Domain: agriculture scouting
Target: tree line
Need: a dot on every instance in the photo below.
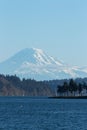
(71, 88)
(27, 86)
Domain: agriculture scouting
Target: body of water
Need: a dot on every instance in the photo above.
(25, 113)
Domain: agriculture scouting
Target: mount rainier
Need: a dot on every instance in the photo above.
(35, 64)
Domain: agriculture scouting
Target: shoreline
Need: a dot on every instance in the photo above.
(69, 97)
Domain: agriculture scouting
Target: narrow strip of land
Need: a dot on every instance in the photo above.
(69, 97)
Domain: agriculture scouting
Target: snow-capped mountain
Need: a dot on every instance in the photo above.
(34, 63)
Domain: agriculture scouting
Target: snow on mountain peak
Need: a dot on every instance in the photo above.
(36, 55)
(38, 50)
(35, 63)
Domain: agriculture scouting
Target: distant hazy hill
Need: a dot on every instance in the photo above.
(13, 86)
(35, 64)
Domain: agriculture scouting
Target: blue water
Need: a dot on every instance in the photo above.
(24, 113)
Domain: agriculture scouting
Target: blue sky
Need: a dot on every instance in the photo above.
(59, 27)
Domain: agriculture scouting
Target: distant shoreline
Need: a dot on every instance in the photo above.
(69, 97)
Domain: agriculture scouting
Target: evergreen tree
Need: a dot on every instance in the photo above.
(80, 88)
(71, 86)
(65, 88)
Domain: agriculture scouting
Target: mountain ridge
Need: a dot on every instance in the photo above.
(36, 64)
